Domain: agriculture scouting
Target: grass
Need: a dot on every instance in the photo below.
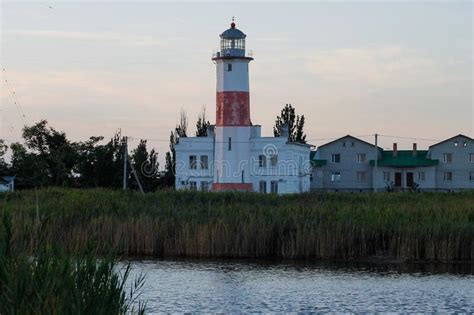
(402, 226)
(49, 281)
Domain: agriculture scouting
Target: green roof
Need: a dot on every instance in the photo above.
(405, 158)
(315, 162)
(318, 163)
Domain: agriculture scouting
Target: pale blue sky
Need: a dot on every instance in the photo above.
(91, 67)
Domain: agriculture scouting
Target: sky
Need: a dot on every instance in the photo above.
(351, 67)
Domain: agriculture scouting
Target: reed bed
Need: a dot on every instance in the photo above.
(46, 280)
(398, 226)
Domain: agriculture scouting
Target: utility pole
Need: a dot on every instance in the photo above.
(125, 159)
(375, 163)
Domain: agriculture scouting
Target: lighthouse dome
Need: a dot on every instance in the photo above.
(233, 33)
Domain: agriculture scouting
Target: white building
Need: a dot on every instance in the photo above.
(7, 183)
(234, 155)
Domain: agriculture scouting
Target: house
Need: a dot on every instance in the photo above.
(348, 164)
(234, 156)
(455, 170)
(7, 183)
(405, 170)
(343, 165)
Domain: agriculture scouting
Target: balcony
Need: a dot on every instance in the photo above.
(232, 53)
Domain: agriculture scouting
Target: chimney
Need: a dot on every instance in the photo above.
(395, 152)
(414, 150)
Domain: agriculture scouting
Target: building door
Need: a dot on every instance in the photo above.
(398, 179)
(410, 179)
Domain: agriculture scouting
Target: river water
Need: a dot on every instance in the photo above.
(249, 286)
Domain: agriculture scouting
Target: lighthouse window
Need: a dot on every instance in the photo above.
(274, 160)
(204, 162)
(192, 162)
(230, 144)
(263, 187)
(262, 161)
(229, 67)
(274, 187)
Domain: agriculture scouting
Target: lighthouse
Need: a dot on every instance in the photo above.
(234, 156)
(233, 124)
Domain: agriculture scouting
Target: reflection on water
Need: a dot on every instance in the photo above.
(244, 286)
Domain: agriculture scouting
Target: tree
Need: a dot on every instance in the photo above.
(294, 123)
(202, 124)
(146, 165)
(180, 131)
(100, 165)
(3, 164)
(52, 151)
(30, 170)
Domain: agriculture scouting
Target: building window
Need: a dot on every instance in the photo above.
(229, 67)
(447, 158)
(205, 186)
(471, 176)
(336, 158)
(361, 157)
(361, 176)
(471, 157)
(263, 187)
(386, 176)
(335, 177)
(204, 162)
(343, 143)
(274, 160)
(193, 185)
(274, 187)
(229, 144)
(455, 143)
(464, 144)
(421, 176)
(192, 162)
(448, 176)
(262, 161)
(352, 144)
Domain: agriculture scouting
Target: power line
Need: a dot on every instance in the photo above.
(409, 138)
(312, 139)
(15, 98)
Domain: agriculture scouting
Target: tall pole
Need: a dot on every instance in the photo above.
(134, 172)
(125, 158)
(375, 163)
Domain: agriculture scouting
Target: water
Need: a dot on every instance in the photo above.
(236, 287)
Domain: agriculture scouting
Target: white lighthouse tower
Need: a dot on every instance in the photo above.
(233, 125)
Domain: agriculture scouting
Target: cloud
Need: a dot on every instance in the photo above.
(380, 66)
(127, 39)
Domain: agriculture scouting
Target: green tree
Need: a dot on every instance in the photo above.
(101, 165)
(293, 122)
(53, 155)
(180, 131)
(30, 170)
(146, 165)
(202, 124)
(3, 164)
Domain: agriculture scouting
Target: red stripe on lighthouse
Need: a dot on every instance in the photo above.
(232, 109)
